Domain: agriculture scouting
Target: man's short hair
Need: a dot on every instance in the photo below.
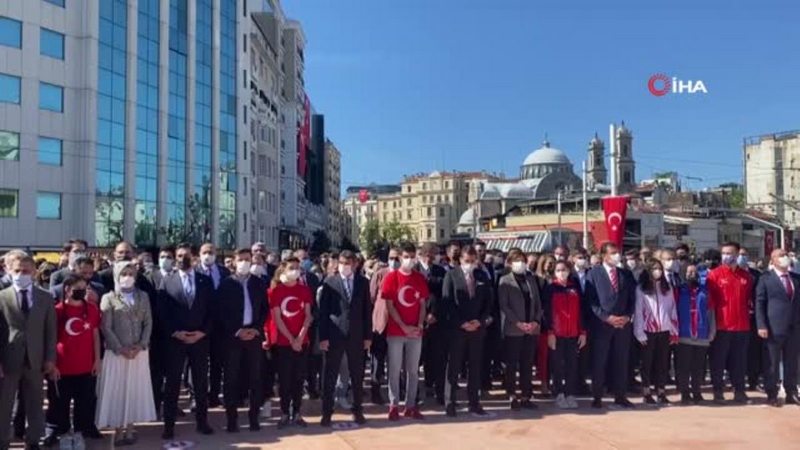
(732, 244)
(607, 245)
(468, 250)
(16, 255)
(184, 246)
(243, 251)
(84, 260)
(348, 255)
(408, 247)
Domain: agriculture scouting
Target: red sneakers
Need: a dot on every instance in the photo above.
(394, 413)
(413, 413)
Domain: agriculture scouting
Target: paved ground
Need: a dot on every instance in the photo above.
(706, 427)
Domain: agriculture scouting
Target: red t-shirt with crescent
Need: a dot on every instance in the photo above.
(75, 347)
(408, 294)
(292, 301)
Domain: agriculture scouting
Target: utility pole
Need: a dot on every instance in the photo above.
(585, 208)
(558, 202)
(612, 141)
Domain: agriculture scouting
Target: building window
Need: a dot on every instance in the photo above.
(424, 186)
(441, 212)
(447, 185)
(48, 205)
(51, 97)
(441, 233)
(50, 151)
(9, 89)
(408, 215)
(9, 146)
(430, 211)
(430, 233)
(9, 200)
(10, 32)
(56, 2)
(51, 43)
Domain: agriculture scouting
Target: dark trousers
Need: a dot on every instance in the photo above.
(331, 361)
(314, 368)
(585, 362)
(784, 349)
(655, 360)
(611, 346)
(242, 376)
(729, 350)
(81, 390)
(434, 349)
(177, 355)
(377, 353)
(757, 356)
(218, 348)
(466, 346)
(292, 368)
(268, 364)
(691, 362)
(564, 366)
(158, 372)
(493, 354)
(520, 352)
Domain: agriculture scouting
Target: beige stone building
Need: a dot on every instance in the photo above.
(772, 175)
(358, 209)
(431, 204)
(333, 191)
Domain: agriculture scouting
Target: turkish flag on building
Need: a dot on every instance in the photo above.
(615, 208)
(363, 196)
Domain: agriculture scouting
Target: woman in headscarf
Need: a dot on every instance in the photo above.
(125, 393)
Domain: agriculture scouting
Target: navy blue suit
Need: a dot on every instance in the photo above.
(607, 341)
(780, 316)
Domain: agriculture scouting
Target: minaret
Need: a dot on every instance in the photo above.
(595, 165)
(626, 167)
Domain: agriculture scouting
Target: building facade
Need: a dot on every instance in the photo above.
(360, 206)
(772, 176)
(333, 192)
(121, 120)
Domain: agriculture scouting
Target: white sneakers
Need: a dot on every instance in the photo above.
(266, 410)
(566, 402)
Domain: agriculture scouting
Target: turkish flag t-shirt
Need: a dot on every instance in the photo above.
(75, 347)
(408, 294)
(292, 301)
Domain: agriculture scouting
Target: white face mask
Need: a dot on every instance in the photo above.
(290, 276)
(784, 262)
(668, 264)
(258, 270)
(519, 267)
(272, 259)
(208, 259)
(22, 280)
(615, 259)
(346, 270)
(657, 274)
(408, 264)
(562, 275)
(166, 264)
(467, 267)
(631, 264)
(243, 267)
(126, 282)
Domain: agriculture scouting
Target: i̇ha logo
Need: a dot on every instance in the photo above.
(661, 85)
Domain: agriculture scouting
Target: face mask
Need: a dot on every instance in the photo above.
(668, 264)
(631, 264)
(741, 260)
(394, 264)
(580, 263)
(728, 260)
(272, 259)
(79, 294)
(408, 263)
(499, 261)
(243, 267)
(784, 262)
(166, 264)
(346, 270)
(437, 259)
(126, 282)
(208, 259)
(21, 281)
(290, 276)
(615, 259)
(185, 263)
(467, 267)
(561, 258)
(258, 270)
(73, 257)
(562, 275)
(657, 274)
(519, 267)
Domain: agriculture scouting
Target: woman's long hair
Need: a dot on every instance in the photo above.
(542, 264)
(646, 281)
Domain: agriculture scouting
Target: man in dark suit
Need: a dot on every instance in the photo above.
(185, 310)
(778, 321)
(242, 313)
(123, 251)
(610, 291)
(209, 267)
(158, 341)
(345, 329)
(27, 347)
(493, 353)
(434, 347)
(84, 268)
(75, 249)
(467, 299)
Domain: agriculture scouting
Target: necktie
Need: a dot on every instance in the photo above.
(471, 285)
(348, 287)
(24, 306)
(787, 283)
(614, 279)
(187, 289)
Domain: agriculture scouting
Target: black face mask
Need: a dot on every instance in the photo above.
(79, 294)
(185, 263)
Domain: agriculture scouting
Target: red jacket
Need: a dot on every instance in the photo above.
(730, 293)
(562, 309)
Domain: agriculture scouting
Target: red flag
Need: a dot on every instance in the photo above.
(304, 139)
(769, 241)
(615, 209)
(363, 196)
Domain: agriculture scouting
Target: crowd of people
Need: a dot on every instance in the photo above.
(119, 336)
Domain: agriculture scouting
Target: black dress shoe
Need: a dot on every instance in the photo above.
(168, 434)
(94, 433)
(623, 402)
(597, 403)
(180, 412)
(255, 426)
(774, 402)
(213, 401)
(663, 400)
(326, 421)
(719, 399)
(697, 398)
(792, 399)
(451, 410)
(741, 398)
(649, 400)
(528, 404)
(203, 428)
(233, 426)
(358, 417)
(478, 410)
(33, 447)
(515, 404)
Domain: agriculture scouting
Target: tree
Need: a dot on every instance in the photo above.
(736, 198)
(394, 233)
(347, 244)
(321, 243)
(370, 239)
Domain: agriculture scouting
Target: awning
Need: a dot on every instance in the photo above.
(531, 242)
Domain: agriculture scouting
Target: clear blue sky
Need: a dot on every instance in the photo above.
(418, 85)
